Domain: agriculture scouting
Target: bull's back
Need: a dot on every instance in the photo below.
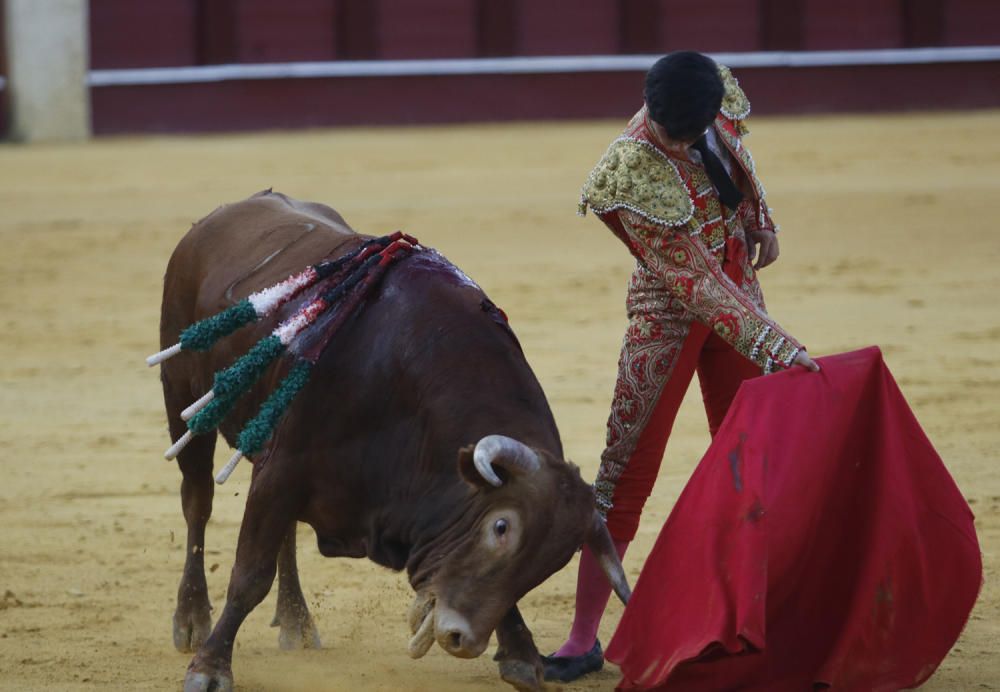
(244, 247)
(236, 250)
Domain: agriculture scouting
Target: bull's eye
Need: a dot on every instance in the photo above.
(500, 527)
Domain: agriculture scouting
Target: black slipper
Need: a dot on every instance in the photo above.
(569, 668)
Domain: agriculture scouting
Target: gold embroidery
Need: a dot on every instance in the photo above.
(735, 104)
(634, 175)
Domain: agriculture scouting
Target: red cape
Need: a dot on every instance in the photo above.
(820, 542)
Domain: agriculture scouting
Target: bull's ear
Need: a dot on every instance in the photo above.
(467, 468)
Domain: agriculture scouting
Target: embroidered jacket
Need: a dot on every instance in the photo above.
(664, 208)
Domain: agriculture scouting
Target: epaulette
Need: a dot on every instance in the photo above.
(635, 175)
(735, 104)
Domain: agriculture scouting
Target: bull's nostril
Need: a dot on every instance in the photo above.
(455, 640)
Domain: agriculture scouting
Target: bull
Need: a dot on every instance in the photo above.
(422, 441)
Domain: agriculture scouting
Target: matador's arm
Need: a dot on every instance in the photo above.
(695, 277)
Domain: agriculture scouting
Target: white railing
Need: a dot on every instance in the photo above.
(527, 65)
(524, 65)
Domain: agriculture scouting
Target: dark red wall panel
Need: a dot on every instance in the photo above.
(852, 24)
(717, 26)
(495, 28)
(3, 73)
(362, 101)
(356, 30)
(781, 24)
(137, 33)
(289, 30)
(557, 27)
(427, 29)
(923, 23)
(3, 41)
(972, 22)
(143, 33)
(639, 27)
(267, 31)
(873, 88)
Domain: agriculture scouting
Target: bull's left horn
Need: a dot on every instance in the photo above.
(506, 452)
(600, 544)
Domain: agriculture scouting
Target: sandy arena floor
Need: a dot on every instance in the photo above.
(888, 238)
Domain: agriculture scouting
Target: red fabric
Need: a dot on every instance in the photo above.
(721, 370)
(820, 542)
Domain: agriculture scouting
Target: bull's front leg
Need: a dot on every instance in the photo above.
(519, 662)
(271, 508)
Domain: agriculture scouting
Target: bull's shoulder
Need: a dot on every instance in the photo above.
(253, 243)
(314, 211)
(267, 219)
(269, 209)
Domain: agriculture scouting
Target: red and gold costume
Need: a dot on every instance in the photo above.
(693, 301)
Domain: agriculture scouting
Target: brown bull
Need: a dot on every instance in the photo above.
(422, 441)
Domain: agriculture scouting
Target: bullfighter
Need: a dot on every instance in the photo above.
(679, 189)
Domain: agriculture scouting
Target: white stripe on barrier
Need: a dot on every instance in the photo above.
(526, 65)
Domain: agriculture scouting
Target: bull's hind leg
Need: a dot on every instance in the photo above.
(192, 619)
(519, 662)
(272, 505)
(298, 631)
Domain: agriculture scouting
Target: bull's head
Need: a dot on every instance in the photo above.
(530, 512)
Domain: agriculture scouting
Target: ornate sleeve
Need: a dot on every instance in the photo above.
(695, 277)
(756, 216)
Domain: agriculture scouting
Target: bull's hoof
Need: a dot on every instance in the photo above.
(522, 675)
(218, 681)
(191, 629)
(298, 633)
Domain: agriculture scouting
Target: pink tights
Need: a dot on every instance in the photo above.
(592, 593)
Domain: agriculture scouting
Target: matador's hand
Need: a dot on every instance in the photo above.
(803, 360)
(763, 244)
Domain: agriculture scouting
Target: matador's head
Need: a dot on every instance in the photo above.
(683, 94)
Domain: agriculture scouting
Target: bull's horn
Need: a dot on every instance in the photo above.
(506, 452)
(600, 544)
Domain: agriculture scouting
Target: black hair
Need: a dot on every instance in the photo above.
(684, 93)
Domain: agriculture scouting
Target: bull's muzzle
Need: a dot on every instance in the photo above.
(455, 636)
(431, 621)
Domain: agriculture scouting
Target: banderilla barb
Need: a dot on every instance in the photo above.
(360, 270)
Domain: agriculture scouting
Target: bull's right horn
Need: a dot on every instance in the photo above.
(506, 452)
(600, 544)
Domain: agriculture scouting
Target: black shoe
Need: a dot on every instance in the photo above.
(569, 668)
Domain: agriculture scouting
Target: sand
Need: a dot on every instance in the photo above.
(887, 238)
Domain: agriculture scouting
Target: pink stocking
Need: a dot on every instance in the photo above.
(592, 593)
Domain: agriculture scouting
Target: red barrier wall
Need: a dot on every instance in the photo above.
(552, 27)
(136, 33)
(411, 100)
(3, 73)
(143, 33)
(156, 33)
